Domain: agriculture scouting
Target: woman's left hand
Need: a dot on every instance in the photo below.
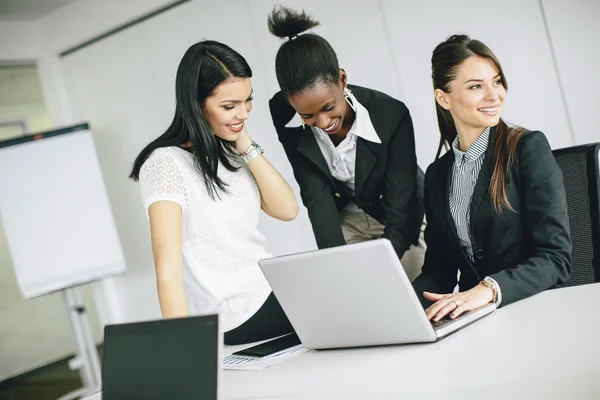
(457, 303)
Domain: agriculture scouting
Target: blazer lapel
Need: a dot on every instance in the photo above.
(308, 146)
(483, 180)
(366, 158)
(367, 153)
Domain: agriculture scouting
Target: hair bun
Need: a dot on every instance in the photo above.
(285, 22)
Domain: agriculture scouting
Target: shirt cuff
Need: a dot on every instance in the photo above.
(498, 290)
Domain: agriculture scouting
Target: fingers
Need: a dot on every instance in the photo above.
(433, 296)
(457, 303)
(438, 306)
(446, 307)
(459, 310)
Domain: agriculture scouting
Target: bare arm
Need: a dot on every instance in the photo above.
(277, 197)
(166, 230)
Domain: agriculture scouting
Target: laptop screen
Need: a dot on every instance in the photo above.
(165, 359)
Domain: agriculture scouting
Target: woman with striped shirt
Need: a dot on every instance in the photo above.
(495, 203)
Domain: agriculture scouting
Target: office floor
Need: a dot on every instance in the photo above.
(46, 383)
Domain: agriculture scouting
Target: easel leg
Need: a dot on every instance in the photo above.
(86, 359)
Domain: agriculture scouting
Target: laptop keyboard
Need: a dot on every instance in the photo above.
(442, 322)
(447, 320)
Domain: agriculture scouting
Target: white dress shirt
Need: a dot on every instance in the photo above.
(341, 159)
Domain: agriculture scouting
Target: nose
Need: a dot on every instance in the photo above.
(323, 121)
(492, 95)
(242, 113)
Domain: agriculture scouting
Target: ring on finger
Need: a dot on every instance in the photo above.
(455, 303)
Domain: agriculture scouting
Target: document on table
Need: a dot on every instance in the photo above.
(256, 364)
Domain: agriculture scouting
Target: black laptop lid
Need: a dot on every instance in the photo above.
(165, 359)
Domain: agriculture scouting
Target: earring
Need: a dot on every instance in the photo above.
(348, 96)
(302, 122)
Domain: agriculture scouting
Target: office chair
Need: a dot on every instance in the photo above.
(581, 171)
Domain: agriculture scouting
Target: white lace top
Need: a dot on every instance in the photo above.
(221, 242)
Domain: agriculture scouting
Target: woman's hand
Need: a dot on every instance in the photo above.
(457, 303)
(243, 142)
(277, 198)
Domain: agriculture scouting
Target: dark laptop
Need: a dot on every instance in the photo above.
(161, 360)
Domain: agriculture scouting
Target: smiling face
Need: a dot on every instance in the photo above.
(324, 106)
(228, 107)
(476, 95)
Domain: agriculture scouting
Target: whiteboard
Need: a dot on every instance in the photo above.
(56, 213)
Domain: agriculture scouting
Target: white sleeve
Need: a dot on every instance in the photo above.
(161, 179)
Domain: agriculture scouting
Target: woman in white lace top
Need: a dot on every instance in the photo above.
(203, 184)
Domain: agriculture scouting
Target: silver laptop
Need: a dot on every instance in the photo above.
(354, 295)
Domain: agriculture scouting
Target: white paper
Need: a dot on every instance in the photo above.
(256, 364)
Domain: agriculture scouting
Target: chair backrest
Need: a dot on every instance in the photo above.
(581, 171)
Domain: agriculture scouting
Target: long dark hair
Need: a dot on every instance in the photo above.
(204, 66)
(447, 58)
(303, 60)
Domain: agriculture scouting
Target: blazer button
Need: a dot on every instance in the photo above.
(479, 254)
(337, 195)
(380, 196)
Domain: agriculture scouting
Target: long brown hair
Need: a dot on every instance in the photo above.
(445, 61)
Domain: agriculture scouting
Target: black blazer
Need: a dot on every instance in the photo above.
(526, 251)
(386, 174)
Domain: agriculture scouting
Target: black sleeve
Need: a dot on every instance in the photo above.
(439, 274)
(545, 219)
(399, 202)
(317, 195)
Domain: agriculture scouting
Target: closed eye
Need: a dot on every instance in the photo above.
(326, 108)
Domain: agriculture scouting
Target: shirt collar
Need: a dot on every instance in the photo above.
(362, 126)
(476, 150)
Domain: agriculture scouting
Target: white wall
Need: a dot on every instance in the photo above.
(122, 121)
(575, 35)
(533, 99)
(19, 41)
(82, 20)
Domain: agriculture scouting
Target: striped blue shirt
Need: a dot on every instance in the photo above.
(465, 171)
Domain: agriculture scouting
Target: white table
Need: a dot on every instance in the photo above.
(544, 347)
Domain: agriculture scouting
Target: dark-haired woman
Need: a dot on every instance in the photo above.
(203, 183)
(352, 149)
(495, 203)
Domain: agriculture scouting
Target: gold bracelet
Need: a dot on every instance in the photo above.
(489, 284)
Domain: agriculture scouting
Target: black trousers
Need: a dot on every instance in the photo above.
(268, 322)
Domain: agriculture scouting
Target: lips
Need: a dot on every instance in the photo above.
(489, 110)
(236, 127)
(331, 128)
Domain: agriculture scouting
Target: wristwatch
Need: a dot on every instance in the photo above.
(253, 151)
(492, 284)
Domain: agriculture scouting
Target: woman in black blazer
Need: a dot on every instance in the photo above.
(352, 149)
(495, 203)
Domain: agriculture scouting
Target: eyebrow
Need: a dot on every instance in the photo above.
(479, 80)
(327, 105)
(238, 101)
